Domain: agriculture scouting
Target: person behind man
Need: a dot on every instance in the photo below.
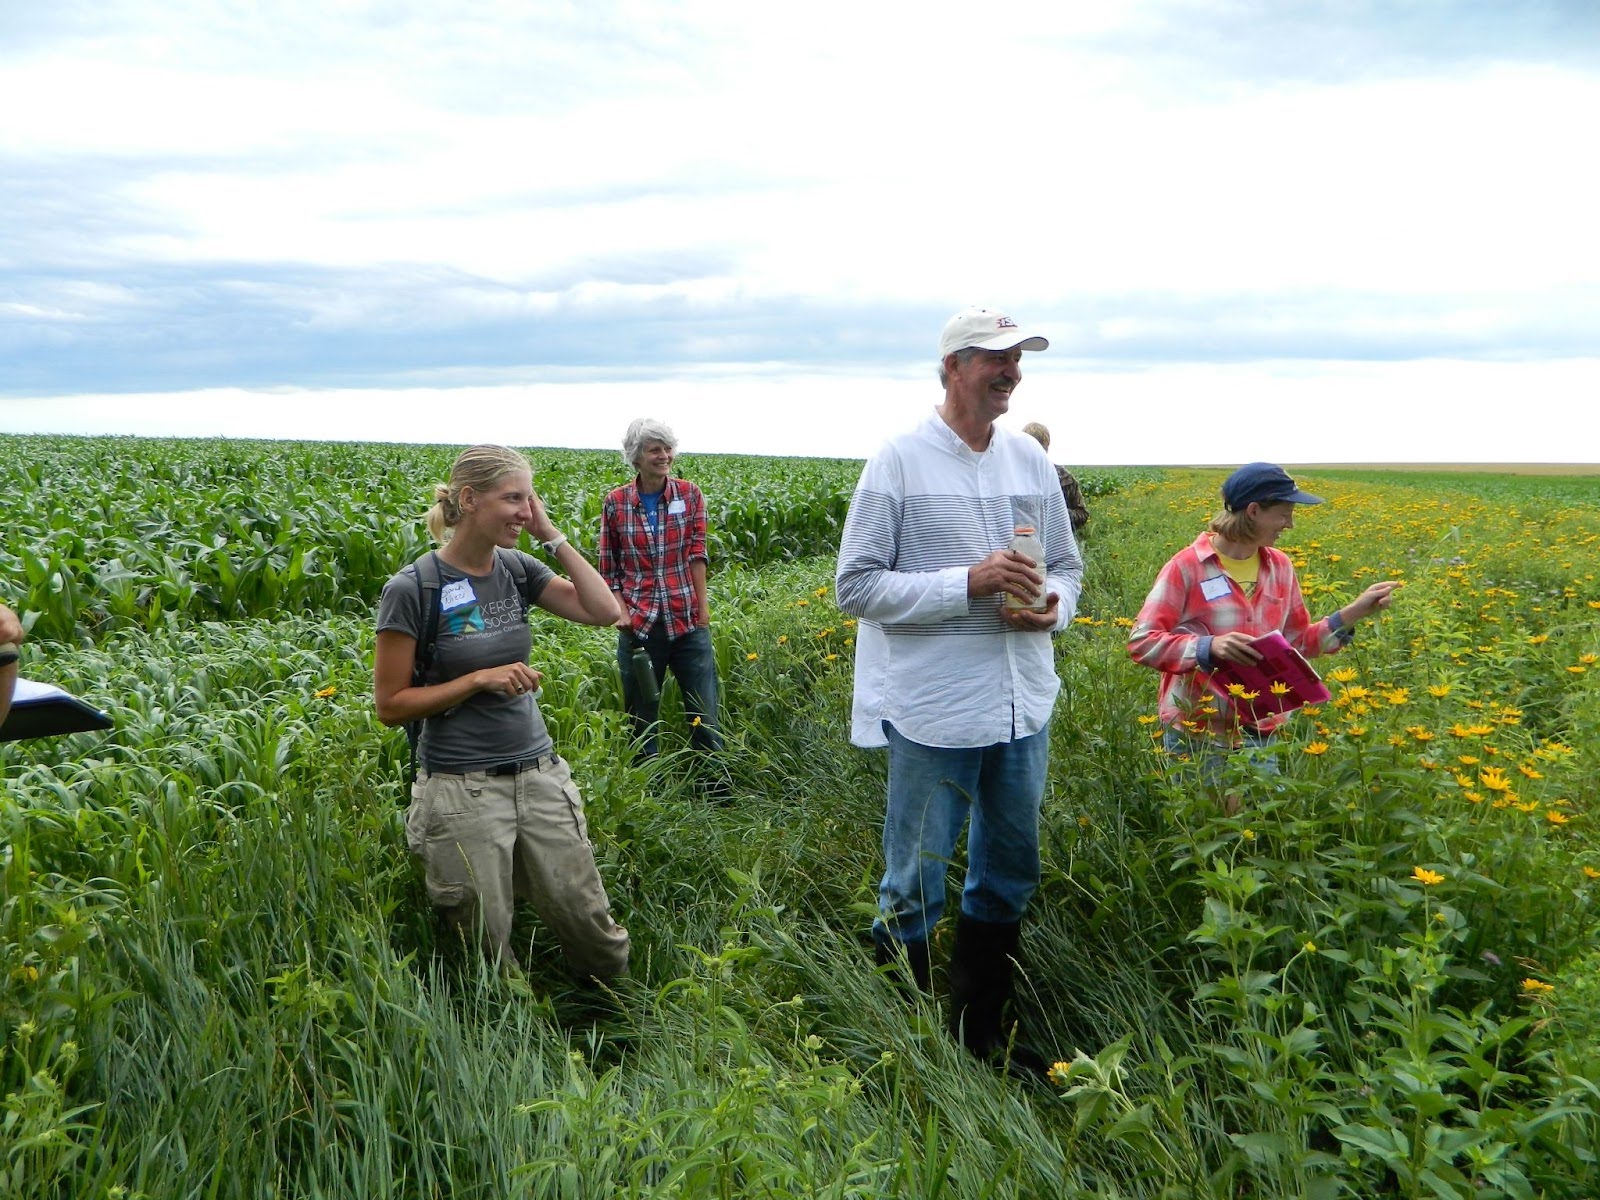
(1071, 493)
(957, 685)
(11, 636)
(653, 557)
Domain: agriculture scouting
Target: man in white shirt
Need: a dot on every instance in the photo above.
(957, 685)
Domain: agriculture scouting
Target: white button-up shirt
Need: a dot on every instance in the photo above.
(943, 670)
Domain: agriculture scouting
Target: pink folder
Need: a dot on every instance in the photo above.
(1280, 663)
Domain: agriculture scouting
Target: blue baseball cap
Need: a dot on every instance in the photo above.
(1260, 482)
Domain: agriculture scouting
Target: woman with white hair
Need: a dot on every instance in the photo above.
(653, 557)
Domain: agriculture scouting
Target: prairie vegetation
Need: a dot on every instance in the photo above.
(219, 976)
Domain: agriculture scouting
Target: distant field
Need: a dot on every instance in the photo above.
(1462, 468)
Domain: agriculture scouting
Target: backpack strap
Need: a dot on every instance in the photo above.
(427, 568)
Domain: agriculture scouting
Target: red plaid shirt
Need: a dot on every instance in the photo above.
(650, 568)
(1177, 619)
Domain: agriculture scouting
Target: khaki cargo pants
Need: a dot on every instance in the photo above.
(489, 839)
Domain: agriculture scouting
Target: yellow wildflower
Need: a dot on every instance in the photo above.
(1148, 719)
(1249, 835)
(1315, 748)
(783, 638)
(1468, 760)
(1424, 876)
(1343, 674)
(1439, 691)
(1533, 987)
(751, 657)
(1236, 689)
(802, 603)
(829, 657)
(1059, 1074)
(1494, 779)
(1538, 639)
(1591, 873)
(1556, 817)
(1398, 697)
(1279, 688)
(1530, 772)
(1309, 947)
(324, 693)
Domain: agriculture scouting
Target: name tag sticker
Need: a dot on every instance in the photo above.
(676, 507)
(1215, 588)
(454, 595)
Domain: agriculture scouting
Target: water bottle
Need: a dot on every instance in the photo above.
(1023, 541)
(644, 674)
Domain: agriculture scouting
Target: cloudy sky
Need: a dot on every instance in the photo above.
(1302, 230)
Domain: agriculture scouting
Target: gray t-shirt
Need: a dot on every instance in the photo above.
(481, 624)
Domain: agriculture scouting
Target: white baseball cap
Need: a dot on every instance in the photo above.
(987, 329)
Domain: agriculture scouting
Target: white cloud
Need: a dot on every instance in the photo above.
(1134, 174)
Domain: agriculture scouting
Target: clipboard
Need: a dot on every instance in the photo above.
(1281, 682)
(44, 710)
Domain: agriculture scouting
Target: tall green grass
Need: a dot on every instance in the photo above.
(219, 976)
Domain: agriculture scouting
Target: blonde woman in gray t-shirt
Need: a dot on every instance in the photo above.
(494, 813)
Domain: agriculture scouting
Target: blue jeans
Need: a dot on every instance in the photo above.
(694, 665)
(931, 793)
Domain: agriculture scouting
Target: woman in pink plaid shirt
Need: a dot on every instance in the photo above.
(1216, 596)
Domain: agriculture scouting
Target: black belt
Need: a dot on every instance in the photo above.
(526, 764)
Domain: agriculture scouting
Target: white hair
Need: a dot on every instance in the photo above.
(640, 434)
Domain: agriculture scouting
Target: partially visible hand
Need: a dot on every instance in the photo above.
(512, 679)
(1028, 620)
(702, 616)
(1376, 597)
(1234, 647)
(1006, 573)
(10, 626)
(541, 527)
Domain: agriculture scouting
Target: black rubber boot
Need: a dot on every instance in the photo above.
(982, 972)
(887, 954)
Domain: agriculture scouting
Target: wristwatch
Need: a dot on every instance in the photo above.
(554, 543)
